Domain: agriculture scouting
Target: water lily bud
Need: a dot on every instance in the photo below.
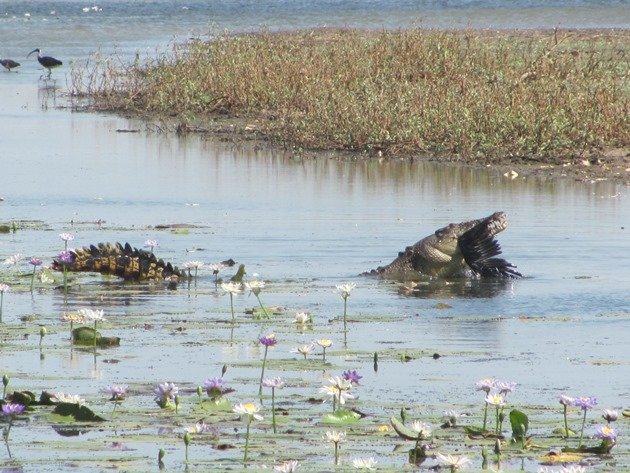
(501, 417)
(375, 362)
(5, 380)
(497, 447)
(199, 391)
(177, 400)
(161, 454)
(223, 370)
(42, 333)
(187, 438)
(484, 457)
(402, 414)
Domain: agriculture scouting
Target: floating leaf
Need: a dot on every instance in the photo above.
(402, 430)
(26, 398)
(519, 423)
(342, 416)
(562, 457)
(77, 411)
(85, 336)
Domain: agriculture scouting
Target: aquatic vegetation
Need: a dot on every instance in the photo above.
(3, 288)
(324, 343)
(364, 463)
(453, 462)
(117, 393)
(302, 318)
(151, 244)
(216, 268)
(231, 288)
(336, 438)
(11, 411)
(92, 315)
(66, 237)
(364, 91)
(248, 412)
(215, 388)
(255, 287)
(610, 415)
(196, 265)
(585, 403)
(273, 383)
(266, 341)
(351, 376)
(345, 290)
(290, 466)
(299, 422)
(5, 383)
(13, 260)
(65, 258)
(304, 350)
(35, 262)
(165, 394)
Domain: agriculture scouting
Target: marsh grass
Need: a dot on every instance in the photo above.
(468, 94)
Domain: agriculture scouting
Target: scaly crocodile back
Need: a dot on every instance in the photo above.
(126, 262)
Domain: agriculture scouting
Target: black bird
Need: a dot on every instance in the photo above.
(46, 61)
(9, 64)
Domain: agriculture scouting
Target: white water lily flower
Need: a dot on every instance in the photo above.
(324, 342)
(68, 398)
(423, 430)
(336, 394)
(13, 260)
(301, 318)
(199, 428)
(341, 383)
(495, 400)
(216, 267)
(290, 466)
(66, 236)
(335, 437)
(364, 463)
(248, 411)
(255, 286)
(4, 288)
(92, 315)
(454, 462)
(304, 350)
(192, 265)
(346, 289)
(233, 288)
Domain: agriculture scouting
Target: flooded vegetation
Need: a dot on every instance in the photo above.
(473, 95)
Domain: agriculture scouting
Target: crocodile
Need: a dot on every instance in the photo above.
(114, 259)
(458, 248)
(127, 262)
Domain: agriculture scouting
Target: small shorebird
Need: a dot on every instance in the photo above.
(9, 64)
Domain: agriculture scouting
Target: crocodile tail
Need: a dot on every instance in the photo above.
(125, 261)
(480, 250)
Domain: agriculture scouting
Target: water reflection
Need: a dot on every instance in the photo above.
(465, 288)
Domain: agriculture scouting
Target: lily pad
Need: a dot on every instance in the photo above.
(342, 416)
(402, 430)
(85, 336)
(78, 412)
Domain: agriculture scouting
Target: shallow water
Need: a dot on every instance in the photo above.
(303, 226)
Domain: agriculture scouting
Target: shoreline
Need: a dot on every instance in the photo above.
(553, 103)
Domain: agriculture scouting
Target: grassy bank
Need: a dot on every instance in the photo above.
(473, 95)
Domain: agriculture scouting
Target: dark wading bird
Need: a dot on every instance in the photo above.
(9, 64)
(46, 61)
